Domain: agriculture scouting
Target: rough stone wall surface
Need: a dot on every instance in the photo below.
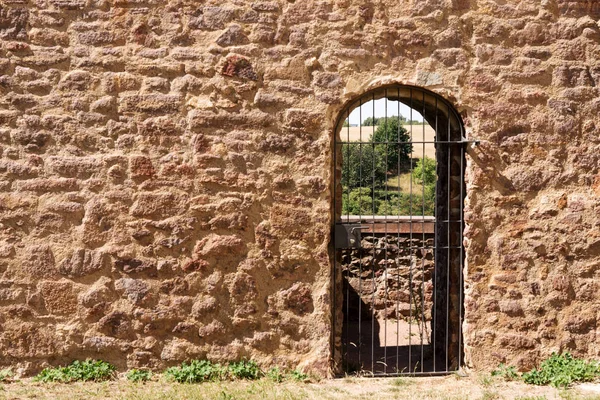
(165, 172)
(393, 275)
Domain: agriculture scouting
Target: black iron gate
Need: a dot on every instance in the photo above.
(398, 237)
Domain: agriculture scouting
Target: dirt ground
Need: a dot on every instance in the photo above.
(455, 387)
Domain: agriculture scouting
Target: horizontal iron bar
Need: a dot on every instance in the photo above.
(413, 142)
(438, 247)
(394, 220)
(390, 218)
(409, 247)
(393, 227)
(439, 373)
(368, 374)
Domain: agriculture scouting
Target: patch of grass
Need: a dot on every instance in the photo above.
(298, 376)
(84, 371)
(196, 371)
(485, 380)
(138, 375)
(567, 394)
(225, 396)
(6, 375)
(562, 370)
(159, 389)
(509, 373)
(401, 181)
(244, 370)
(276, 375)
(400, 382)
(442, 388)
(490, 395)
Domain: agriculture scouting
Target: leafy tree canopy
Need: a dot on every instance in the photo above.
(392, 144)
(375, 121)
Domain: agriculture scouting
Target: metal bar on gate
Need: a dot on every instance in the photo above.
(333, 274)
(434, 274)
(348, 211)
(359, 250)
(415, 374)
(397, 258)
(423, 329)
(449, 188)
(440, 247)
(385, 254)
(410, 264)
(373, 262)
(422, 142)
(460, 277)
(462, 255)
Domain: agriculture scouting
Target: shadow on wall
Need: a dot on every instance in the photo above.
(373, 344)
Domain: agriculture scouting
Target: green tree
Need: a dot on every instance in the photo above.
(367, 164)
(424, 171)
(425, 176)
(396, 149)
(371, 121)
(362, 166)
(406, 204)
(358, 202)
(376, 121)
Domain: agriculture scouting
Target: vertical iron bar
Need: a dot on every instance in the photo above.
(398, 259)
(423, 329)
(359, 250)
(335, 253)
(347, 220)
(434, 274)
(385, 255)
(460, 277)
(374, 250)
(448, 250)
(410, 244)
(333, 273)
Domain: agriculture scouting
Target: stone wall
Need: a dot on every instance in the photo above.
(392, 277)
(165, 172)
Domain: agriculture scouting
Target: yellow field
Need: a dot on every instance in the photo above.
(419, 133)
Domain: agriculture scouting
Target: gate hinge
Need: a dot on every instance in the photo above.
(347, 236)
(474, 142)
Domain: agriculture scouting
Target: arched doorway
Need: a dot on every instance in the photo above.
(398, 234)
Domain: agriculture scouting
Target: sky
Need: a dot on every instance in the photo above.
(380, 106)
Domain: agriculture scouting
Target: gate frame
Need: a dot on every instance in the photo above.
(336, 276)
